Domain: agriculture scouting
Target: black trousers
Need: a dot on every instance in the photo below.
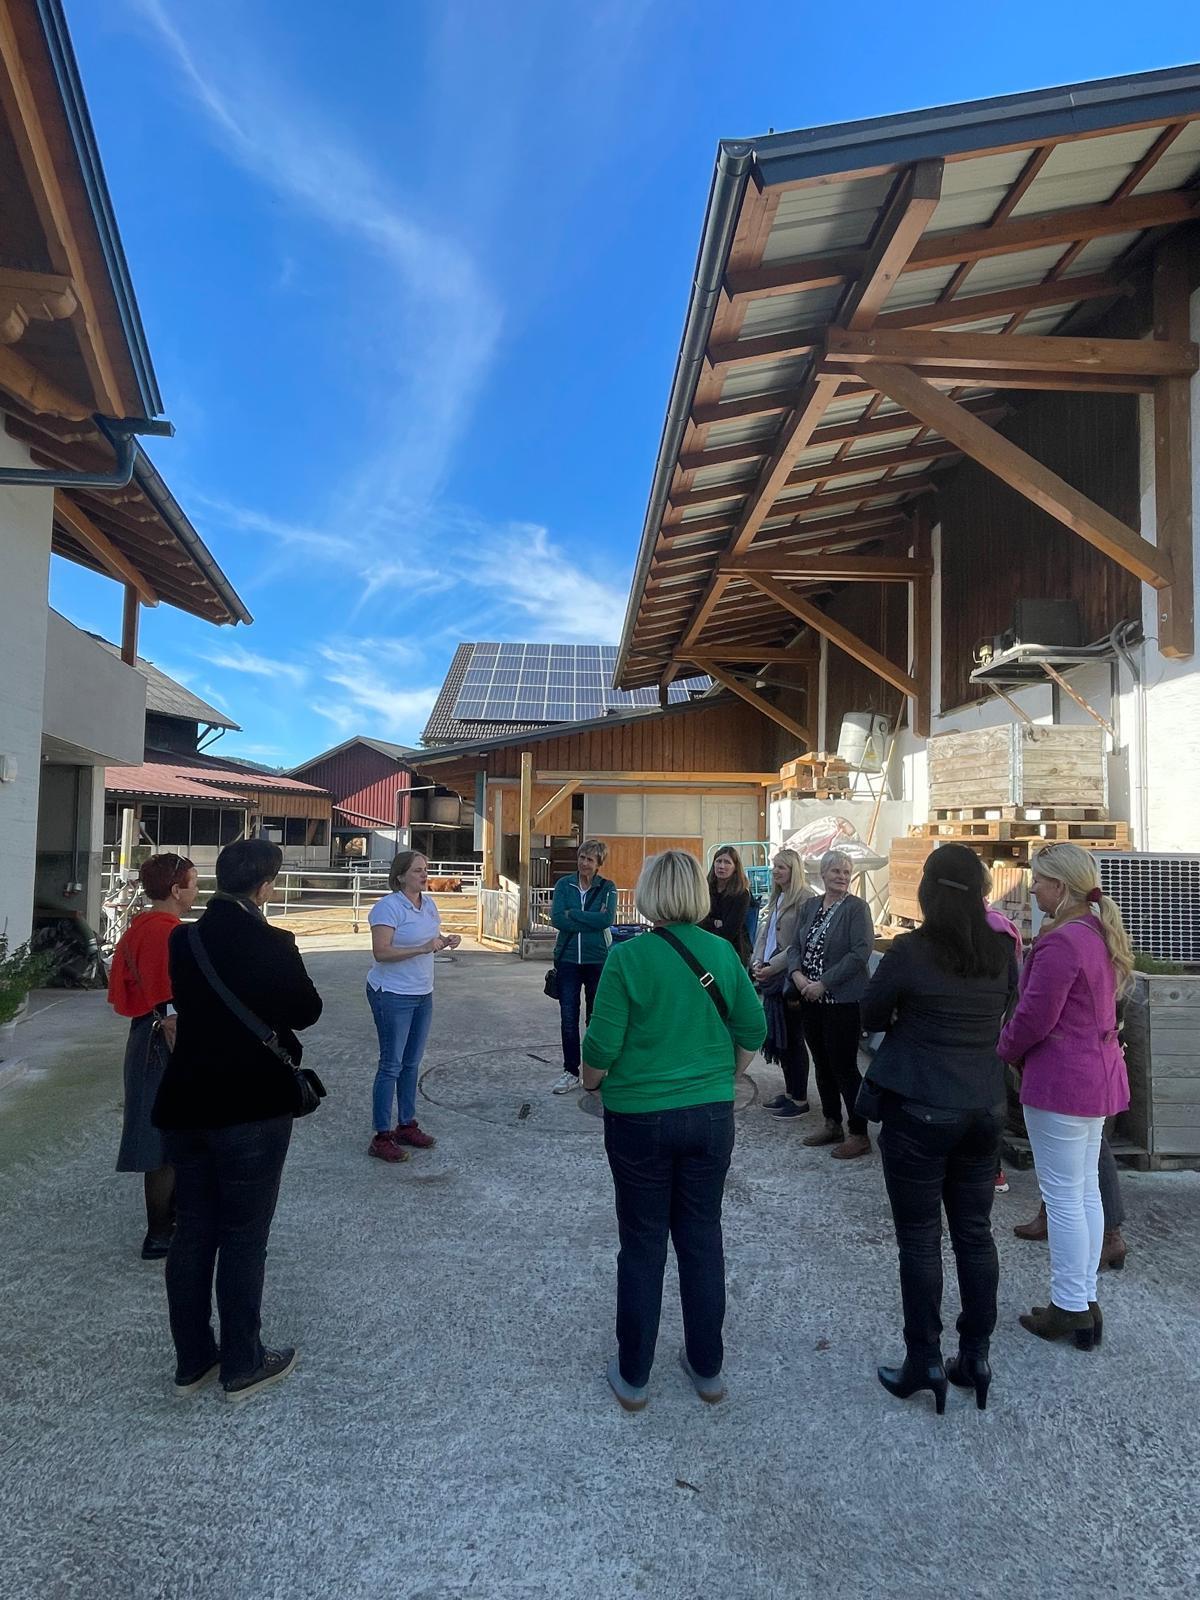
(832, 1029)
(795, 1056)
(226, 1186)
(928, 1166)
(572, 979)
(669, 1172)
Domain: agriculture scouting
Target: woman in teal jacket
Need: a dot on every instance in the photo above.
(676, 1019)
(583, 910)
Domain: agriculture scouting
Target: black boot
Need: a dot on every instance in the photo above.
(910, 1379)
(971, 1372)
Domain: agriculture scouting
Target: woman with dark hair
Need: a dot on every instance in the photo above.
(139, 987)
(729, 901)
(406, 934)
(939, 997)
(226, 1106)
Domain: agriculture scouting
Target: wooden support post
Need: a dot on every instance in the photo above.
(487, 870)
(752, 698)
(1176, 628)
(1023, 473)
(524, 855)
(555, 799)
(921, 643)
(130, 617)
(81, 527)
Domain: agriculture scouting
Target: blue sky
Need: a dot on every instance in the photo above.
(413, 277)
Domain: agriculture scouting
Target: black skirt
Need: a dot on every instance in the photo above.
(146, 1057)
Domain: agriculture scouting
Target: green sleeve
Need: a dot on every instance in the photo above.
(747, 1021)
(605, 1036)
(560, 917)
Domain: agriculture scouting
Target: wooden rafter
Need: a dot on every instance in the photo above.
(836, 633)
(839, 568)
(556, 799)
(979, 355)
(753, 698)
(27, 297)
(765, 656)
(1028, 477)
(81, 526)
(32, 388)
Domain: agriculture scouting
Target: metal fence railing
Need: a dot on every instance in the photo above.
(540, 899)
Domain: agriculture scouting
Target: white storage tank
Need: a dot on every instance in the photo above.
(863, 740)
(444, 808)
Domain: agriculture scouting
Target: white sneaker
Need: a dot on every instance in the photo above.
(565, 1084)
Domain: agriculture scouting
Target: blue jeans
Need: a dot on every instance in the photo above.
(402, 1022)
(669, 1171)
(226, 1186)
(572, 977)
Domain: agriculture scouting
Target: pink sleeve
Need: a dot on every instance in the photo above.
(1049, 973)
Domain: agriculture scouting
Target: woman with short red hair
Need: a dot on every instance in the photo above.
(139, 987)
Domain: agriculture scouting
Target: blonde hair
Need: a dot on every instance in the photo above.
(594, 847)
(1075, 868)
(672, 888)
(782, 900)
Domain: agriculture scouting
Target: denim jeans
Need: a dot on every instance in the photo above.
(1066, 1155)
(928, 1165)
(572, 977)
(668, 1172)
(226, 1186)
(402, 1022)
(832, 1029)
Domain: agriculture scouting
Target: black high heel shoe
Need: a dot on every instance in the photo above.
(971, 1372)
(908, 1380)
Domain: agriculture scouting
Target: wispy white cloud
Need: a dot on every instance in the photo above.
(236, 658)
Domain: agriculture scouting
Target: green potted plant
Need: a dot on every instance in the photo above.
(21, 970)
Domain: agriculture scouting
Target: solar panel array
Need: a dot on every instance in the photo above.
(552, 683)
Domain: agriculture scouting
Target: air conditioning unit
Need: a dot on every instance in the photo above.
(1159, 897)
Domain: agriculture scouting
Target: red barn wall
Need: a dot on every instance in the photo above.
(363, 782)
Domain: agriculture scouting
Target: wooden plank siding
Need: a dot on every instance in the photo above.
(363, 782)
(998, 548)
(878, 614)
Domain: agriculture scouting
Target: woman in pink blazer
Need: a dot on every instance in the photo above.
(1063, 1037)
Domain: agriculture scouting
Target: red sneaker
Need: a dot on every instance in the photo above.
(409, 1133)
(385, 1147)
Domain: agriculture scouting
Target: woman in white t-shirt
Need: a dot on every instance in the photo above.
(406, 934)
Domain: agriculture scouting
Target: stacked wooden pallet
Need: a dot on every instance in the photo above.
(1047, 827)
(817, 776)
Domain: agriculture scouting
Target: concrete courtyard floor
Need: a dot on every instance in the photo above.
(448, 1431)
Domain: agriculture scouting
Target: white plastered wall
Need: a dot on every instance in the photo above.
(25, 528)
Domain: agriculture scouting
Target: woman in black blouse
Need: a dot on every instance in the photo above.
(729, 901)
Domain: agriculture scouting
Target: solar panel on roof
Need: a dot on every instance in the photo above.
(551, 683)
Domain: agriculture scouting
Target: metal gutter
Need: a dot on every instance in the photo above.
(146, 477)
(734, 163)
(120, 435)
(70, 88)
(1010, 120)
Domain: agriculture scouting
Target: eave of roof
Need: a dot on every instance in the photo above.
(399, 753)
(847, 152)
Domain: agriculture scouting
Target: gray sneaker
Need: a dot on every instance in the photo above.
(629, 1398)
(711, 1390)
(276, 1364)
(567, 1084)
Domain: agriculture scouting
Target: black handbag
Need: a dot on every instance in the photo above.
(308, 1088)
(707, 982)
(550, 987)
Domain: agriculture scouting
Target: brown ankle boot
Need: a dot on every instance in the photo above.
(1052, 1322)
(827, 1133)
(856, 1145)
(1035, 1229)
(1113, 1251)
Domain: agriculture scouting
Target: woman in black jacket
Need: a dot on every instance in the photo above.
(939, 996)
(729, 901)
(226, 1105)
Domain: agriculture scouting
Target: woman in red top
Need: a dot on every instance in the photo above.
(139, 986)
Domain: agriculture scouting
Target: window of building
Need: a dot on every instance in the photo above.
(206, 825)
(271, 828)
(174, 828)
(233, 825)
(318, 831)
(295, 830)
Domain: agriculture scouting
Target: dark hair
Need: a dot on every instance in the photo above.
(956, 925)
(400, 865)
(247, 863)
(160, 874)
(740, 880)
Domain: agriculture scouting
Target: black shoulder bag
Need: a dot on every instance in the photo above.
(707, 982)
(309, 1091)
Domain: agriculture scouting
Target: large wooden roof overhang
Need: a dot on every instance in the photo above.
(866, 299)
(72, 346)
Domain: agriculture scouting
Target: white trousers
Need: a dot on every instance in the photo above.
(1066, 1153)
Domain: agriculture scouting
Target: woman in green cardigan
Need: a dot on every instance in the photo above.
(676, 1019)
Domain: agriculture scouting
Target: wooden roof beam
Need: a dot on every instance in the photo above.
(1034, 297)
(860, 492)
(765, 655)
(837, 634)
(1028, 477)
(841, 568)
(981, 354)
(1065, 227)
(829, 472)
(80, 526)
(752, 698)
(42, 395)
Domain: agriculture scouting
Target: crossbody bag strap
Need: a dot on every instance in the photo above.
(225, 994)
(707, 982)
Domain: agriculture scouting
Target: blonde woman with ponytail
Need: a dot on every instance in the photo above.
(1063, 1036)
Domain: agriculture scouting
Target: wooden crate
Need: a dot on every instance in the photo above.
(1015, 765)
(905, 861)
(1174, 1052)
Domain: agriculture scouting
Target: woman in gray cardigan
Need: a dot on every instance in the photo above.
(827, 964)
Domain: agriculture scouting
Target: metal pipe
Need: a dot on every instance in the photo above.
(121, 434)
